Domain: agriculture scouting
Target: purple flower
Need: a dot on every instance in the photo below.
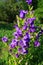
(32, 28)
(4, 39)
(29, 1)
(26, 44)
(19, 50)
(24, 41)
(36, 43)
(17, 55)
(15, 34)
(22, 13)
(14, 43)
(24, 27)
(19, 32)
(26, 37)
(21, 43)
(30, 20)
(16, 27)
(22, 51)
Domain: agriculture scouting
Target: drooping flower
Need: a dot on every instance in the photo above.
(4, 39)
(29, 1)
(26, 37)
(14, 43)
(36, 43)
(22, 13)
(32, 29)
(30, 20)
(18, 33)
(21, 43)
(22, 51)
(15, 34)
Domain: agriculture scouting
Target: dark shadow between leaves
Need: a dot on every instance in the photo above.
(35, 4)
(6, 26)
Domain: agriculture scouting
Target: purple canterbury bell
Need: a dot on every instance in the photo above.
(22, 13)
(30, 20)
(36, 43)
(4, 39)
(14, 43)
(29, 1)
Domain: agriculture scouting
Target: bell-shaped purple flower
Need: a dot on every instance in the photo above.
(26, 37)
(30, 20)
(19, 32)
(4, 39)
(32, 28)
(14, 43)
(29, 1)
(21, 43)
(36, 43)
(15, 34)
(22, 51)
(22, 13)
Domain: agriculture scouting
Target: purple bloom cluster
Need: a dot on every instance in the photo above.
(22, 40)
(18, 32)
(22, 36)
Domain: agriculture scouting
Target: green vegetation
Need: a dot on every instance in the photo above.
(8, 12)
